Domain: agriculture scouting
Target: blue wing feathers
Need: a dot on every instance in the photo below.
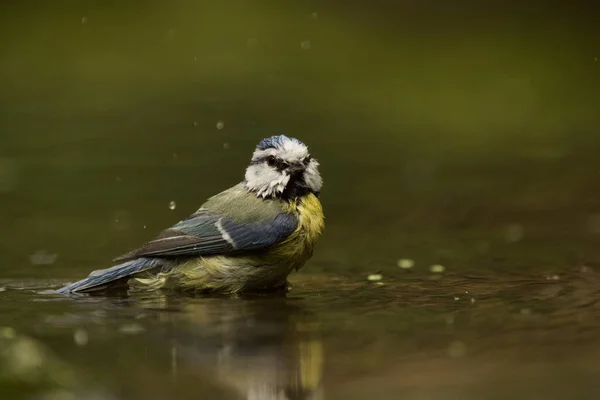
(98, 279)
(257, 236)
(207, 233)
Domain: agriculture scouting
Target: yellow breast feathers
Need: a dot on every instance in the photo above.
(310, 219)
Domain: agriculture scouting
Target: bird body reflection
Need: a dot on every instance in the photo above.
(262, 348)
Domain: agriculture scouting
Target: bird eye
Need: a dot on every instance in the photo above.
(271, 160)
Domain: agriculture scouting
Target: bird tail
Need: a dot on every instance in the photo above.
(105, 279)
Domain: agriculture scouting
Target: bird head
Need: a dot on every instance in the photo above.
(281, 167)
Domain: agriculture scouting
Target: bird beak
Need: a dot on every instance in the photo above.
(295, 168)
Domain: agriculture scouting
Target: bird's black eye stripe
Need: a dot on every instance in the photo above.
(272, 161)
(307, 159)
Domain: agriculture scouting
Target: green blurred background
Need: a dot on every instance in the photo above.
(463, 133)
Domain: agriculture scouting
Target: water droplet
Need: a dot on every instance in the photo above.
(374, 277)
(483, 247)
(252, 42)
(80, 337)
(84, 20)
(305, 45)
(457, 349)
(220, 125)
(513, 233)
(437, 269)
(405, 263)
(121, 220)
(172, 205)
(7, 332)
(8, 175)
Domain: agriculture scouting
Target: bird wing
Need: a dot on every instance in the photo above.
(109, 278)
(233, 221)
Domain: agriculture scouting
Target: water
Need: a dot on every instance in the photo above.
(459, 150)
(442, 337)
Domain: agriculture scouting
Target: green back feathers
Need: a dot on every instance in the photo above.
(242, 206)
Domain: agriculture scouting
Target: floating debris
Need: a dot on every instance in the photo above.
(80, 336)
(374, 277)
(472, 300)
(513, 233)
(584, 269)
(84, 20)
(131, 329)
(172, 205)
(220, 125)
(225, 146)
(42, 257)
(437, 268)
(457, 349)
(456, 298)
(405, 263)
(593, 224)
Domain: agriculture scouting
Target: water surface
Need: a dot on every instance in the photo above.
(445, 337)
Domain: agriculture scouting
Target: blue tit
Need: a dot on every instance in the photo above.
(248, 238)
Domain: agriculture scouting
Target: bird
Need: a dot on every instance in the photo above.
(246, 239)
